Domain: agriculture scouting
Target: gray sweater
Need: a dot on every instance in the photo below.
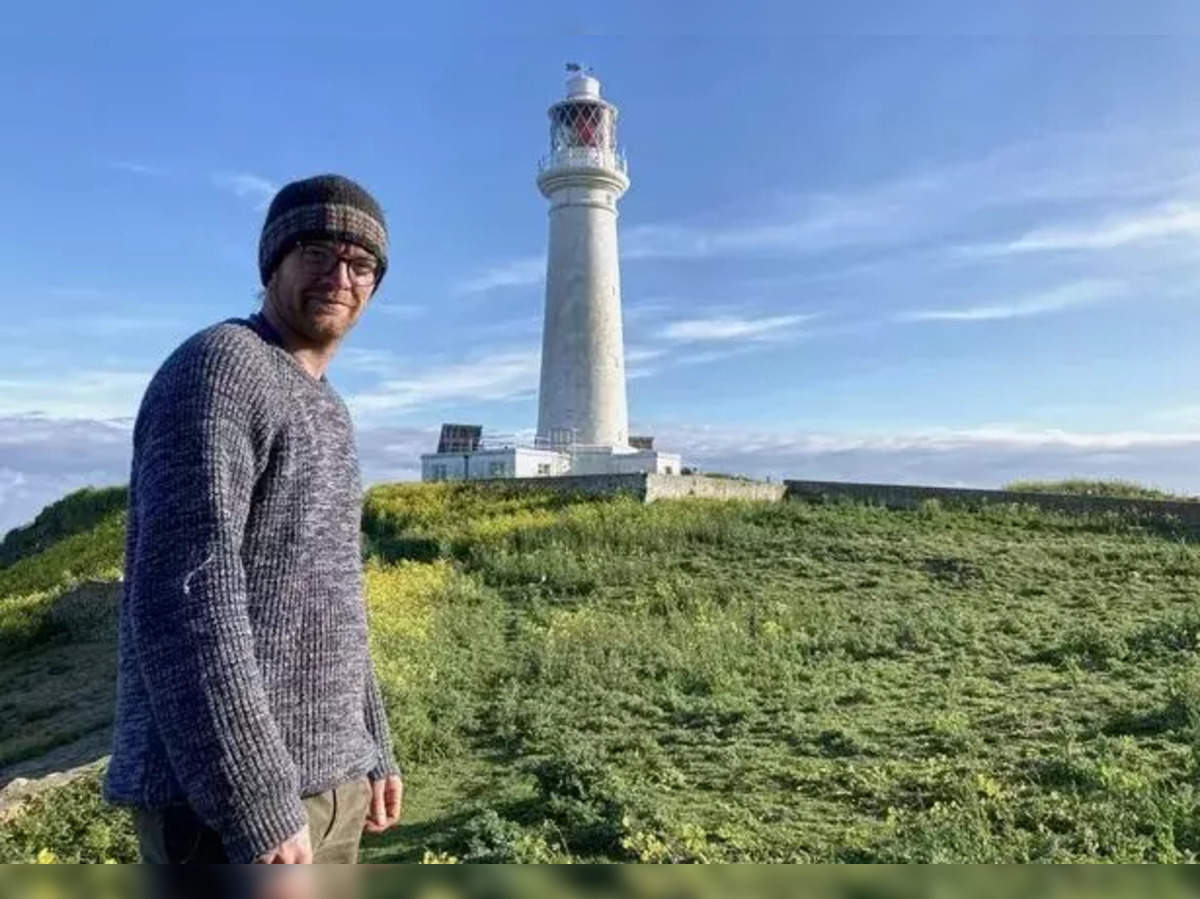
(244, 681)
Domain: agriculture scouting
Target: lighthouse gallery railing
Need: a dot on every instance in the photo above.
(584, 157)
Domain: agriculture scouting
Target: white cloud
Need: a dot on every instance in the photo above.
(1157, 223)
(517, 273)
(640, 372)
(635, 312)
(637, 354)
(637, 359)
(1081, 293)
(40, 444)
(932, 204)
(980, 457)
(732, 328)
(85, 393)
(1011, 436)
(499, 375)
(246, 184)
(393, 454)
(496, 375)
(42, 459)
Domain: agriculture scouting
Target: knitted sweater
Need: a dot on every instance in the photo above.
(244, 681)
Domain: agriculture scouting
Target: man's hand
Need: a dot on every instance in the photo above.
(387, 800)
(296, 850)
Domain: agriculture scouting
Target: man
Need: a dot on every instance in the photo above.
(249, 723)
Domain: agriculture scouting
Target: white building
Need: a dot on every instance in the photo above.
(583, 417)
(463, 454)
(509, 462)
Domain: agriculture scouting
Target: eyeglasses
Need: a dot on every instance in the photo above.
(319, 259)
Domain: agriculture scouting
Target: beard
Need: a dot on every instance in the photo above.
(317, 315)
(326, 317)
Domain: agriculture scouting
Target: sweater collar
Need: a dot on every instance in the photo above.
(267, 331)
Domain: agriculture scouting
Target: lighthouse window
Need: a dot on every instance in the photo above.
(496, 469)
(581, 125)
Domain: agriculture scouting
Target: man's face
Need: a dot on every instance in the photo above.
(321, 288)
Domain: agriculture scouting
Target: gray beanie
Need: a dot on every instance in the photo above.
(329, 207)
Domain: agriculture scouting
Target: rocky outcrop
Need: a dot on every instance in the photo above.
(16, 792)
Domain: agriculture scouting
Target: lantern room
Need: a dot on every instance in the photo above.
(583, 127)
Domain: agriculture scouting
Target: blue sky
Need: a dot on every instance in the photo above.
(888, 242)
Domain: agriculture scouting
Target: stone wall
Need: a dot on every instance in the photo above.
(671, 486)
(651, 487)
(900, 496)
(646, 487)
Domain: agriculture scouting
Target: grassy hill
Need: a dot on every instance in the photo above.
(575, 679)
(59, 583)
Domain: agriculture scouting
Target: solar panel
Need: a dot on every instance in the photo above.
(459, 438)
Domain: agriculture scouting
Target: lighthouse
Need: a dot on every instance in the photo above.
(581, 397)
(583, 417)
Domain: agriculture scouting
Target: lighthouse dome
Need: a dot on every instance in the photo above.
(582, 86)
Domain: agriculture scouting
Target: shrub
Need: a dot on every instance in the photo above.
(1082, 487)
(70, 824)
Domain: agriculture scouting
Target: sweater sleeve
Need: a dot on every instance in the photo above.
(377, 723)
(196, 469)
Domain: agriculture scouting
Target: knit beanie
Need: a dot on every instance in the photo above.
(324, 207)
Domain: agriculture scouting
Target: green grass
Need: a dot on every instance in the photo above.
(71, 825)
(76, 542)
(75, 513)
(573, 679)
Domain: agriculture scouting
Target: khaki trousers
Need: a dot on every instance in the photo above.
(176, 836)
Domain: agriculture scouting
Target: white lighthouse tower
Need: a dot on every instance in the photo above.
(583, 418)
(581, 400)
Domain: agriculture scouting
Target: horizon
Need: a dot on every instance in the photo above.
(942, 247)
